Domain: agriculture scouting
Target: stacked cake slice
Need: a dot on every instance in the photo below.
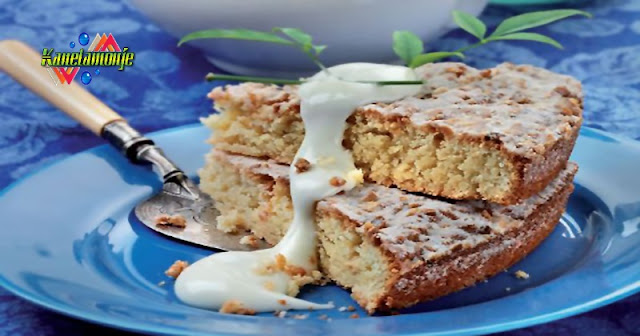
(463, 179)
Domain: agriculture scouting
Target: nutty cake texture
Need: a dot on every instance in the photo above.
(392, 248)
(500, 134)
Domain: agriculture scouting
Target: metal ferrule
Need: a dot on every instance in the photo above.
(125, 138)
(139, 149)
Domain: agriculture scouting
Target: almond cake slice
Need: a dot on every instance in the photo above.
(391, 248)
(500, 134)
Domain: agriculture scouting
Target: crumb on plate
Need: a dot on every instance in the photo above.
(174, 270)
(520, 274)
(280, 313)
(177, 221)
(236, 307)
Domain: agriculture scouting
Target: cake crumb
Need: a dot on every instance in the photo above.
(520, 274)
(162, 283)
(354, 316)
(323, 317)
(280, 265)
(176, 221)
(458, 71)
(563, 91)
(351, 308)
(508, 289)
(235, 307)
(294, 270)
(174, 270)
(356, 176)
(337, 181)
(301, 316)
(281, 261)
(268, 285)
(302, 165)
(280, 313)
(249, 240)
(371, 196)
(343, 308)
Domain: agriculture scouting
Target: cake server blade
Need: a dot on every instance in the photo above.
(179, 195)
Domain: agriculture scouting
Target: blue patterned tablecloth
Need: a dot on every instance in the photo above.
(165, 89)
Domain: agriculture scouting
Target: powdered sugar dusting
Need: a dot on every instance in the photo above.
(525, 108)
(416, 227)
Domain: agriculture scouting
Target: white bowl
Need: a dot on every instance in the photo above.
(353, 30)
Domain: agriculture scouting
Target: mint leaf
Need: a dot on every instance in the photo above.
(470, 24)
(319, 48)
(528, 37)
(534, 19)
(236, 34)
(407, 45)
(432, 57)
(298, 36)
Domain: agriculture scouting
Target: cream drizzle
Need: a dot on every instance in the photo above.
(327, 100)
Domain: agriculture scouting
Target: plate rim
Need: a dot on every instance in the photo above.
(145, 327)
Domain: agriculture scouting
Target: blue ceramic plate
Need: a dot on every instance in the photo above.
(71, 243)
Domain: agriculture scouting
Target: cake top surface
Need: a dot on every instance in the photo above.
(525, 108)
(411, 226)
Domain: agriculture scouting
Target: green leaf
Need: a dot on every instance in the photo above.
(407, 45)
(528, 37)
(534, 19)
(470, 24)
(236, 34)
(432, 57)
(319, 48)
(298, 36)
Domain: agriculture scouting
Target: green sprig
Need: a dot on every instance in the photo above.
(408, 46)
(287, 36)
(211, 76)
(510, 29)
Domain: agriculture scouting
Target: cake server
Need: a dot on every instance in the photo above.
(179, 195)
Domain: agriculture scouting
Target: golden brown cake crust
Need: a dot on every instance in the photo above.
(411, 287)
(524, 118)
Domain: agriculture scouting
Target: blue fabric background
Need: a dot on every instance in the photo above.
(165, 88)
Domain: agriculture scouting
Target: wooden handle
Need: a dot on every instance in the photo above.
(23, 64)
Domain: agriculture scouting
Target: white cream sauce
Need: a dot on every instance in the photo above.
(327, 100)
